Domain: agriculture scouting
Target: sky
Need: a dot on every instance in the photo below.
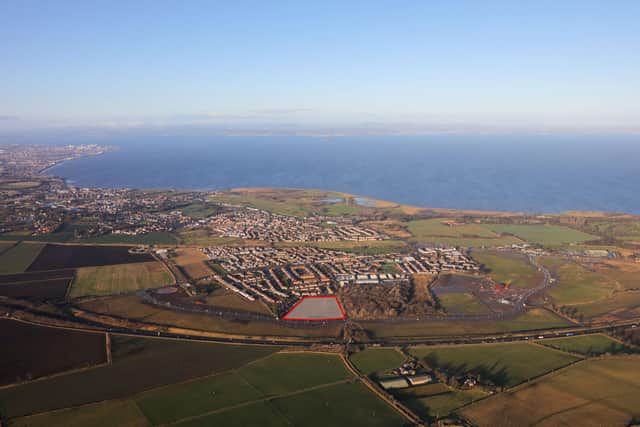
(370, 66)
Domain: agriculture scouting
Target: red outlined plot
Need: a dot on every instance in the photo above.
(316, 308)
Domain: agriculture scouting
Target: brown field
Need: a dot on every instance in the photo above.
(131, 307)
(226, 299)
(192, 262)
(601, 392)
(32, 351)
(626, 274)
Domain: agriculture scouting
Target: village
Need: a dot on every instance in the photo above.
(276, 275)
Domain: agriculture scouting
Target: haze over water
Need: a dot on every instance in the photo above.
(506, 173)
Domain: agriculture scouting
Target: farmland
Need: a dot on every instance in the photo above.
(511, 269)
(470, 235)
(18, 258)
(593, 392)
(589, 345)
(377, 360)
(55, 257)
(23, 359)
(504, 364)
(157, 238)
(138, 364)
(543, 234)
(120, 278)
(39, 289)
(433, 401)
(192, 263)
(281, 389)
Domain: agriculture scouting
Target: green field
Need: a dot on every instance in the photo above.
(138, 364)
(543, 234)
(19, 258)
(278, 374)
(588, 345)
(468, 235)
(600, 392)
(284, 389)
(437, 400)
(199, 210)
(531, 320)
(576, 284)
(110, 413)
(505, 365)
(120, 278)
(287, 372)
(462, 302)
(377, 360)
(509, 268)
(626, 301)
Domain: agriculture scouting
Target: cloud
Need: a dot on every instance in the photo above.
(7, 117)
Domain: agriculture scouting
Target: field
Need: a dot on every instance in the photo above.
(110, 413)
(468, 235)
(377, 360)
(18, 258)
(591, 393)
(24, 347)
(544, 234)
(54, 257)
(531, 320)
(225, 298)
(437, 400)
(576, 284)
(192, 262)
(316, 308)
(462, 302)
(38, 289)
(131, 307)
(281, 389)
(138, 364)
(589, 345)
(509, 268)
(120, 278)
(505, 365)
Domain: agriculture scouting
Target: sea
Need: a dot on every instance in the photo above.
(515, 173)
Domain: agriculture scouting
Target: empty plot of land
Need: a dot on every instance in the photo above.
(54, 257)
(503, 364)
(224, 298)
(509, 268)
(316, 308)
(377, 360)
(591, 393)
(19, 257)
(462, 303)
(544, 234)
(120, 278)
(138, 364)
(437, 400)
(193, 263)
(31, 351)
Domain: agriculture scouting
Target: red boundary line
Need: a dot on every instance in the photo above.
(315, 319)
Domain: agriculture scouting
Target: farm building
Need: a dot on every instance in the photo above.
(419, 379)
(394, 383)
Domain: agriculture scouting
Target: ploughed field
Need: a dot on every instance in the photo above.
(31, 351)
(38, 285)
(54, 257)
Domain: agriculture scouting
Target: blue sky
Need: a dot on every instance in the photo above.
(448, 65)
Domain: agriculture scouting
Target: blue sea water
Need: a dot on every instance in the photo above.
(520, 173)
